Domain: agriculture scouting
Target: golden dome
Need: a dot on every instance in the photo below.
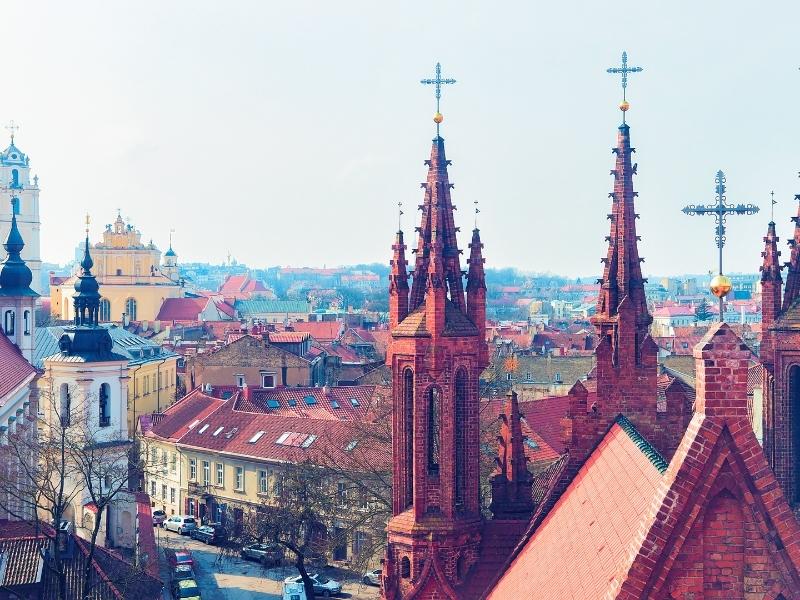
(720, 286)
(624, 106)
(438, 118)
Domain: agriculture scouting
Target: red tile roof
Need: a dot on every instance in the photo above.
(174, 422)
(577, 550)
(288, 337)
(182, 309)
(322, 331)
(14, 369)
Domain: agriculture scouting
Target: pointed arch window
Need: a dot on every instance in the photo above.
(460, 401)
(105, 310)
(104, 405)
(130, 308)
(9, 320)
(408, 416)
(434, 430)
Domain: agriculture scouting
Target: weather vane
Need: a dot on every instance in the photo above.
(772, 207)
(720, 285)
(624, 70)
(12, 129)
(437, 82)
(399, 216)
(477, 212)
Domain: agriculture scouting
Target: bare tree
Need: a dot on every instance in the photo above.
(58, 468)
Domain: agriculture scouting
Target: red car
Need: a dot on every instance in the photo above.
(179, 557)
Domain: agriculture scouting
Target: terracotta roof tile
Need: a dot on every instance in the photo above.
(14, 369)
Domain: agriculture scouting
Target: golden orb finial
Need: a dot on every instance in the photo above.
(624, 106)
(438, 118)
(720, 286)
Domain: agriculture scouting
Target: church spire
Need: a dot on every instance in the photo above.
(87, 290)
(476, 286)
(437, 212)
(398, 282)
(622, 272)
(770, 290)
(792, 291)
(15, 275)
(511, 482)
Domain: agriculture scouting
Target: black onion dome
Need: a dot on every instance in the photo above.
(86, 285)
(15, 275)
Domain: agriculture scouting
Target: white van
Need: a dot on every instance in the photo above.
(294, 591)
(182, 524)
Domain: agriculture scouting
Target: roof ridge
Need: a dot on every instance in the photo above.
(658, 461)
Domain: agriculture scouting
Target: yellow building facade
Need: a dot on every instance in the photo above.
(133, 281)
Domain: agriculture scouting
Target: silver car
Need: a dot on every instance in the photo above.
(372, 577)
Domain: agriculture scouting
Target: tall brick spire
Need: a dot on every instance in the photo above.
(476, 287)
(437, 208)
(771, 282)
(511, 482)
(622, 274)
(792, 291)
(398, 282)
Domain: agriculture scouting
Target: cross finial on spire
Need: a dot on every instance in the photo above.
(88, 221)
(12, 128)
(437, 82)
(623, 70)
(477, 212)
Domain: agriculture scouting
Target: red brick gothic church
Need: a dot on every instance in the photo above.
(662, 492)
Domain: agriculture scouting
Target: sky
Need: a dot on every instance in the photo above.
(285, 133)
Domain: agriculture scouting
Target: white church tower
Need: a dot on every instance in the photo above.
(17, 185)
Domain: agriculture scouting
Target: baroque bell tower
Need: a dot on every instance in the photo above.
(23, 191)
(437, 353)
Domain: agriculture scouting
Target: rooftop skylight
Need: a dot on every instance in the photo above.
(256, 437)
(218, 431)
(310, 400)
(203, 428)
(354, 402)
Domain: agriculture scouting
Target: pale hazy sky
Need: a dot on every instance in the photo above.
(287, 132)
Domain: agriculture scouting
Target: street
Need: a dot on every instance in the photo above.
(231, 578)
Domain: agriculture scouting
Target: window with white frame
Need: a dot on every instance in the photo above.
(240, 478)
(152, 489)
(206, 472)
(220, 474)
(239, 381)
(341, 493)
(164, 492)
(173, 465)
(268, 380)
(172, 495)
(192, 469)
(263, 482)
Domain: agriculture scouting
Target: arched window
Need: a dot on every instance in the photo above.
(104, 405)
(460, 401)
(105, 310)
(14, 178)
(15, 205)
(8, 322)
(65, 404)
(434, 433)
(130, 308)
(794, 420)
(26, 320)
(405, 567)
(408, 415)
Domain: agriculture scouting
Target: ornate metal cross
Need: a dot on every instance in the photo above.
(12, 129)
(623, 70)
(437, 82)
(720, 210)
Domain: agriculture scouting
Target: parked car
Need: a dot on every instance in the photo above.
(182, 524)
(208, 534)
(181, 572)
(372, 577)
(266, 554)
(179, 557)
(186, 589)
(322, 585)
(159, 517)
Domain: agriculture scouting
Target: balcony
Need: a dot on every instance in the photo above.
(200, 489)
